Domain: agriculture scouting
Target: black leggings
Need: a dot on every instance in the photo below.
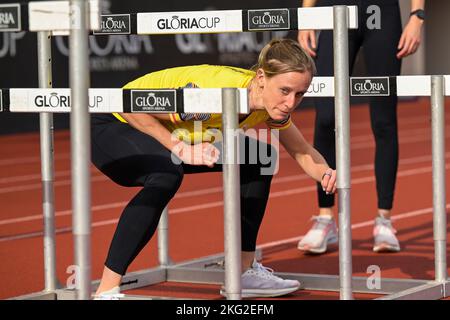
(131, 158)
(380, 49)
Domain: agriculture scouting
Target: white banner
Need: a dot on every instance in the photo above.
(322, 18)
(408, 86)
(55, 16)
(321, 87)
(189, 22)
(111, 100)
(59, 101)
(210, 100)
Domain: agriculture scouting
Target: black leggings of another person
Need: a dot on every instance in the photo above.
(131, 158)
(380, 49)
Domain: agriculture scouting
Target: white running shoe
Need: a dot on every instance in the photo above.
(113, 294)
(384, 236)
(321, 234)
(259, 281)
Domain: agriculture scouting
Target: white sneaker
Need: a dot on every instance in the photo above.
(259, 281)
(113, 294)
(384, 236)
(321, 234)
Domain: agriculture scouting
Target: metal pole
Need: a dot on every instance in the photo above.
(342, 116)
(47, 163)
(231, 194)
(163, 238)
(80, 146)
(438, 153)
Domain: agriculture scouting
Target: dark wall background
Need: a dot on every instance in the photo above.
(115, 60)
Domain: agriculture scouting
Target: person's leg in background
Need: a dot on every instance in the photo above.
(324, 232)
(380, 49)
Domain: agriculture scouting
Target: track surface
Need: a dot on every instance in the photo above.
(196, 213)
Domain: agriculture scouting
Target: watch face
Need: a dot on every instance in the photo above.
(420, 14)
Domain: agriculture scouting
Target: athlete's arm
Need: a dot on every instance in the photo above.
(204, 154)
(148, 124)
(308, 158)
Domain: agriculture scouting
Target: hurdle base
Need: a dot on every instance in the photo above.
(210, 270)
(43, 295)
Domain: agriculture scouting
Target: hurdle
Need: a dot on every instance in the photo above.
(147, 23)
(436, 87)
(190, 271)
(25, 16)
(22, 100)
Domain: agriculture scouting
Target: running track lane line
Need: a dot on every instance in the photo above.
(100, 177)
(401, 216)
(403, 173)
(304, 130)
(208, 191)
(309, 130)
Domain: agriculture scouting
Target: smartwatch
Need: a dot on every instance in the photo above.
(419, 13)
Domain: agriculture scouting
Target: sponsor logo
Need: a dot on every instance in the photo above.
(95, 102)
(273, 19)
(55, 100)
(115, 24)
(10, 17)
(370, 86)
(180, 23)
(156, 101)
(316, 87)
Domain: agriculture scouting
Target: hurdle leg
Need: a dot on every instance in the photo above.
(438, 152)
(231, 194)
(47, 164)
(342, 115)
(163, 239)
(80, 146)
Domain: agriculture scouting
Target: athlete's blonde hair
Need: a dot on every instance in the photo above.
(284, 55)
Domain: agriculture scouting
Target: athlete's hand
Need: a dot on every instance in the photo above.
(410, 39)
(199, 154)
(329, 181)
(307, 40)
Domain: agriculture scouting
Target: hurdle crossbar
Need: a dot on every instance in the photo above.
(193, 100)
(53, 16)
(58, 100)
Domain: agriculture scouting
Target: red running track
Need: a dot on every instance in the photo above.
(198, 204)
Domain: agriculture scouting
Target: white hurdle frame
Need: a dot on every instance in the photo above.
(338, 18)
(194, 271)
(80, 128)
(47, 165)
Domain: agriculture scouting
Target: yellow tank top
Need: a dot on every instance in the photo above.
(184, 126)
